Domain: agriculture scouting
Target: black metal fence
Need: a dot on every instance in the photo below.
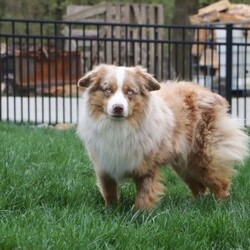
(40, 62)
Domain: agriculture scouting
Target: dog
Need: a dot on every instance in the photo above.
(132, 125)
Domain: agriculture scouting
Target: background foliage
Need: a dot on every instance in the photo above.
(55, 9)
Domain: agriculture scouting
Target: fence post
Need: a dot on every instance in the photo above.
(0, 100)
(229, 63)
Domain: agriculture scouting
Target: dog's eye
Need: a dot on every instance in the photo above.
(130, 92)
(108, 91)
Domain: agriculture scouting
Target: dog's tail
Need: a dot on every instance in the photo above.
(232, 143)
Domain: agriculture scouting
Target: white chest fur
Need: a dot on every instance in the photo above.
(118, 148)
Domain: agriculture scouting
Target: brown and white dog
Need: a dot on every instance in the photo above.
(132, 125)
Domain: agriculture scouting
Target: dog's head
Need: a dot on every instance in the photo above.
(118, 92)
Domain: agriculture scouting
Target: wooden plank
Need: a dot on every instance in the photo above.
(160, 20)
(230, 18)
(160, 14)
(126, 13)
(124, 9)
(137, 13)
(240, 10)
(218, 6)
(117, 33)
(143, 46)
(195, 19)
(72, 9)
(151, 19)
(210, 17)
(135, 47)
(108, 45)
(205, 18)
(88, 13)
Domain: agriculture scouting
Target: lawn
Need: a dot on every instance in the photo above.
(49, 200)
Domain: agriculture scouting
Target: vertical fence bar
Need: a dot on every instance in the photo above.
(20, 68)
(13, 80)
(162, 61)
(140, 45)
(69, 81)
(219, 71)
(112, 44)
(28, 59)
(98, 51)
(198, 54)
(245, 78)
(229, 64)
(56, 72)
(212, 67)
(169, 53)
(84, 50)
(35, 80)
(1, 100)
(155, 56)
(126, 45)
(78, 74)
(183, 49)
(176, 60)
(42, 70)
(63, 80)
(237, 80)
(1, 88)
(48, 83)
(1, 74)
(7, 80)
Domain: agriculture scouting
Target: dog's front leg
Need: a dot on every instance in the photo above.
(149, 188)
(108, 188)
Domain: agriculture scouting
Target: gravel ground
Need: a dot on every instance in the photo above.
(64, 110)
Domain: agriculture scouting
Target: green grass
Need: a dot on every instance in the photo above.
(48, 200)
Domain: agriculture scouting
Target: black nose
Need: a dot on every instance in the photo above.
(118, 109)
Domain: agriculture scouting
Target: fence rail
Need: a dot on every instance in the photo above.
(40, 62)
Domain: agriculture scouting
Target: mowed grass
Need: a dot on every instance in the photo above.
(49, 200)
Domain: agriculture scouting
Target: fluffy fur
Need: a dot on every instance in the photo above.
(132, 125)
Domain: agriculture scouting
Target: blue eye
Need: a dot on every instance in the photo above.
(130, 92)
(108, 90)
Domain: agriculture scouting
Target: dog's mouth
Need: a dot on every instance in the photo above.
(117, 117)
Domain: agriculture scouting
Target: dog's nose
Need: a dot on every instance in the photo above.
(118, 109)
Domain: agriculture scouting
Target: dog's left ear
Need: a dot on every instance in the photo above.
(86, 80)
(92, 77)
(148, 80)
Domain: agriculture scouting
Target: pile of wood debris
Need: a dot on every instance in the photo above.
(223, 12)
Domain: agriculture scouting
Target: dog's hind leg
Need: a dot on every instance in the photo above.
(218, 181)
(191, 179)
(208, 175)
(149, 188)
(196, 187)
(108, 188)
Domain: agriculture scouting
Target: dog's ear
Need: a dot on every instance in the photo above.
(147, 79)
(92, 76)
(85, 81)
